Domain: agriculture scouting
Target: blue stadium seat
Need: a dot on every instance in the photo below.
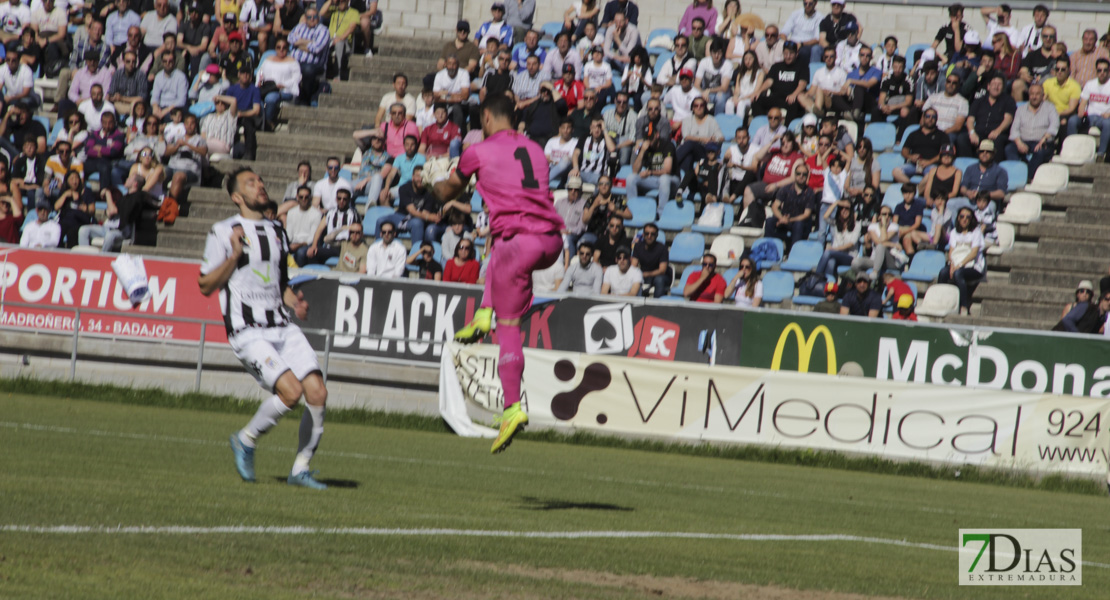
(893, 195)
(925, 266)
(729, 124)
(881, 136)
(906, 134)
(756, 124)
(643, 211)
(333, 261)
(888, 161)
(674, 218)
(777, 286)
(913, 53)
(726, 222)
(1018, 173)
(44, 120)
(315, 267)
(680, 282)
(370, 220)
(687, 247)
(552, 28)
(963, 162)
(804, 255)
(661, 60)
(814, 67)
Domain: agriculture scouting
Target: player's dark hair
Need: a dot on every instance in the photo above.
(233, 179)
(498, 106)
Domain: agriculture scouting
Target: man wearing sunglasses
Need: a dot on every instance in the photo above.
(324, 191)
(705, 285)
(792, 209)
(584, 276)
(1094, 103)
(310, 42)
(1063, 92)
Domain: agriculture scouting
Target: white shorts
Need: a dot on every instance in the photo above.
(268, 352)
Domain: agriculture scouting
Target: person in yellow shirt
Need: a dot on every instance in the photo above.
(342, 21)
(1063, 91)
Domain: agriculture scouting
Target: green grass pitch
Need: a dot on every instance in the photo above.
(110, 465)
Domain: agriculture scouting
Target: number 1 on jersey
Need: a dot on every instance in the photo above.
(529, 182)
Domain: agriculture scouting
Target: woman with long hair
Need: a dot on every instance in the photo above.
(967, 264)
(137, 119)
(76, 206)
(863, 170)
(882, 239)
(945, 179)
(746, 286)
(75, 131)
(637, 77)
(866, 206)
(1008, 61)
(843, 248)
(728, 24)
(463, 267)
(745, 81)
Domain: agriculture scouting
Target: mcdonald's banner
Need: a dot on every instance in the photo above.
(1037, 362)
(668, 400)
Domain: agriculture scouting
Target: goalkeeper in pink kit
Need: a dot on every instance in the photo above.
(525, 233)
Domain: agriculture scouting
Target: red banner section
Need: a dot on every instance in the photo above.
(57, 282)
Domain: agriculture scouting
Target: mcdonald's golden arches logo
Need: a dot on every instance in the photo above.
(805, 347)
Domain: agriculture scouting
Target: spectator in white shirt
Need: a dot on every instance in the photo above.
(452, 85)
(42, 232)
(301, 221)
(386, 257)
(624, 279)
(323, 193)
(804, 28)
(559, 151)
(17, 80)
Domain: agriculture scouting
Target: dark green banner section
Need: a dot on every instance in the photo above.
(923, 354)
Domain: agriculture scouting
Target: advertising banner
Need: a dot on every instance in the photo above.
(978, 358)
(56, 282)
(685, 401)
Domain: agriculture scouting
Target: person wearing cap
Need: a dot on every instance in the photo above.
(562, 55)
(1033, 133)
(309, 42)
(194, 34)
(572, 89)
(236, 58)
(209, 85)
(170, 90)
(620, 39)
(17, 81)
(624, 280)
(951, 107)
(80, 86)
(156, 23)
(1081, 316)
(462, 48)
(804, 28)
(986, 175)
(848, 49)
(42, 232)
(921, 148)
(681, 97)
(830, 305)
(571, 208)
(496, 27)
(11, 219)
(784, 83)
(903, 310)
(835, 26)
(862, 300)
(118, 22)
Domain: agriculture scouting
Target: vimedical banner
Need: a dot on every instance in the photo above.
(684, 401)
(56, 282)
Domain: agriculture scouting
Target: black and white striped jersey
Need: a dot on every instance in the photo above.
(253, 295)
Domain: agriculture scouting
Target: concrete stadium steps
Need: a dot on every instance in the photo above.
(1040, 260)
(1062, 280)
(1041, 312)
(1004, 290)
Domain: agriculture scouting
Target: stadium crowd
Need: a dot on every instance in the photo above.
(789, 132)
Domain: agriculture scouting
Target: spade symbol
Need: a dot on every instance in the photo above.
(604, 333)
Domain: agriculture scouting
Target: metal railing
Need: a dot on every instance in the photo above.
(76, 334)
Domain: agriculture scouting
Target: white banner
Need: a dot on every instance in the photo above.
(685, 401)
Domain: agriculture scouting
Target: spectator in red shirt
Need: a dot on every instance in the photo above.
(570, 88)
(463, 268)
(779, 165)
(895, 287)
(706, 285)
(441, 138)
(11, 219)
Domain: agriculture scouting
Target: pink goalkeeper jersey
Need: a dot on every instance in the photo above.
(512, 179)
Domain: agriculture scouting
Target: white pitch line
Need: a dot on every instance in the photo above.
(482, 533)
